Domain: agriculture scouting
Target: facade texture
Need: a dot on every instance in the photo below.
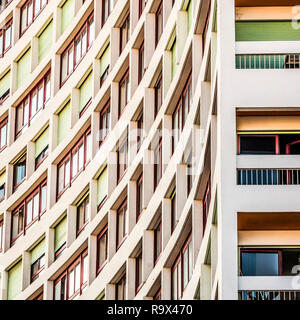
(148, 149)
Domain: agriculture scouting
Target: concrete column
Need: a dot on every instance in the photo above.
(166, 140)
(112, 236)
(213, 141)
(197, 227)
(51, 185)
(48, 290)
(114, 46)
(95, 127)
(11, 126)
(13, 77)
(56, 24)
(6, 230)
(110, 292)
(149, 31)
(3, 285)
(55, 76)
(71, 224)
(25, 270)
(214, 250)
(134, 14)
(34, 53)
(77, 6)
(30, 159)
(148, 253)
(167, 7)
(93, 199)
(96, 77)
(132, 141)
(97, 16)
(130, 278)
(148, 177)
(112, 172)
(167, 71)
(148, 112)
(114, 104)
(133, 70)
(205, 282)
(181, 33)
(166, 284)
(92, 253)
(16, 25)
(205, 103)
(166, 221)
(49, 248)
(131, 196)
(9, 184)
(75, 96)
(197, 145)
(196, 59)
(181, 188)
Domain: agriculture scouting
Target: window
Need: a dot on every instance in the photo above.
(77, 49)
(28, 211)
(4, 87)
(141, 62)
(258, 144)
(124, 96)
(121, 288)
(19, 171)
(268, 261)
(85, 93)
(41, 147)
(64, 122)
(121, 223)
(32, 104)
(107, 6)
(182, 269)
(39, 297)
(3, 134)
(206, 203)
(205, 28)
(104, 122)
(122, 158)
(83, 214)
(142, 4)
(138, 272)
(104, 65)
(74, 162)
(30, 11)
(14, 285)
(37, 260)
(173, 210)
(139, 197)
(181, 111)
(72, 282)
(157, 163)
(1, 235)
(189, 10)
(140, 133)
(158, 95)
(102, 188)
(102, 247)
(67, 14)
(4, 4)
(189, 172)
(23, 68)
(5, 38)
(60, 237)
(159, 26)
(174, 58)
(157, 241)
(124, 33)
(157, 295)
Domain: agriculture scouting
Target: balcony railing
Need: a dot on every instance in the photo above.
(267, 61)
(269, 295)
(268, 176)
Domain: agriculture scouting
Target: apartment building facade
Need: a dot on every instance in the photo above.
(163, 162)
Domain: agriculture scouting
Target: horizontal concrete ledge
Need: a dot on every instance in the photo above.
(269, 283)
(268, 161)
(260, 47)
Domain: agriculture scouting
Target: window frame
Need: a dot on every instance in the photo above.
(158, 14)
(139, 198)
(86, 203)
(35, 90)
(141, 66)
(105, 111)
(109, 10)
(123, 146)
(157, 87)
(206, 203)
(3, 31)
(40, 269)
(1, 234)
(122, 282)
(69, 156)
(125, 25)
(103, 232)
(124, 80)
(22, 159)
(2, 124)
(72, 45)
(66, 273)
(157, 155)
(23, 204)
(138, 282)
(156, 254)
(276, 136)
(119, 242)
(34, 16)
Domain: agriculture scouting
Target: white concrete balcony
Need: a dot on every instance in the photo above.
(268, 161)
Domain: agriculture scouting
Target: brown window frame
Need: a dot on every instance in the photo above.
(123, 146)
(206, 202)
(34, 92)
(2, 124)
(139, 197)
(20, 161)
(103, 233)
(124, 80)
(158, 166)
(138, 280)
(157, 239)
(23, 206)
(86, 203)
(34, 276)
(141, 70)
(158, 15)
(125, 26)
(121, 282)
(119, 242)
(72, 46)
(105, 13)
(3, 33)
(157, 87)
(104, 112)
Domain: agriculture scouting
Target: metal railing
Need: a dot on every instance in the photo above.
(269, 295)
(268, 176)
(267, 61)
